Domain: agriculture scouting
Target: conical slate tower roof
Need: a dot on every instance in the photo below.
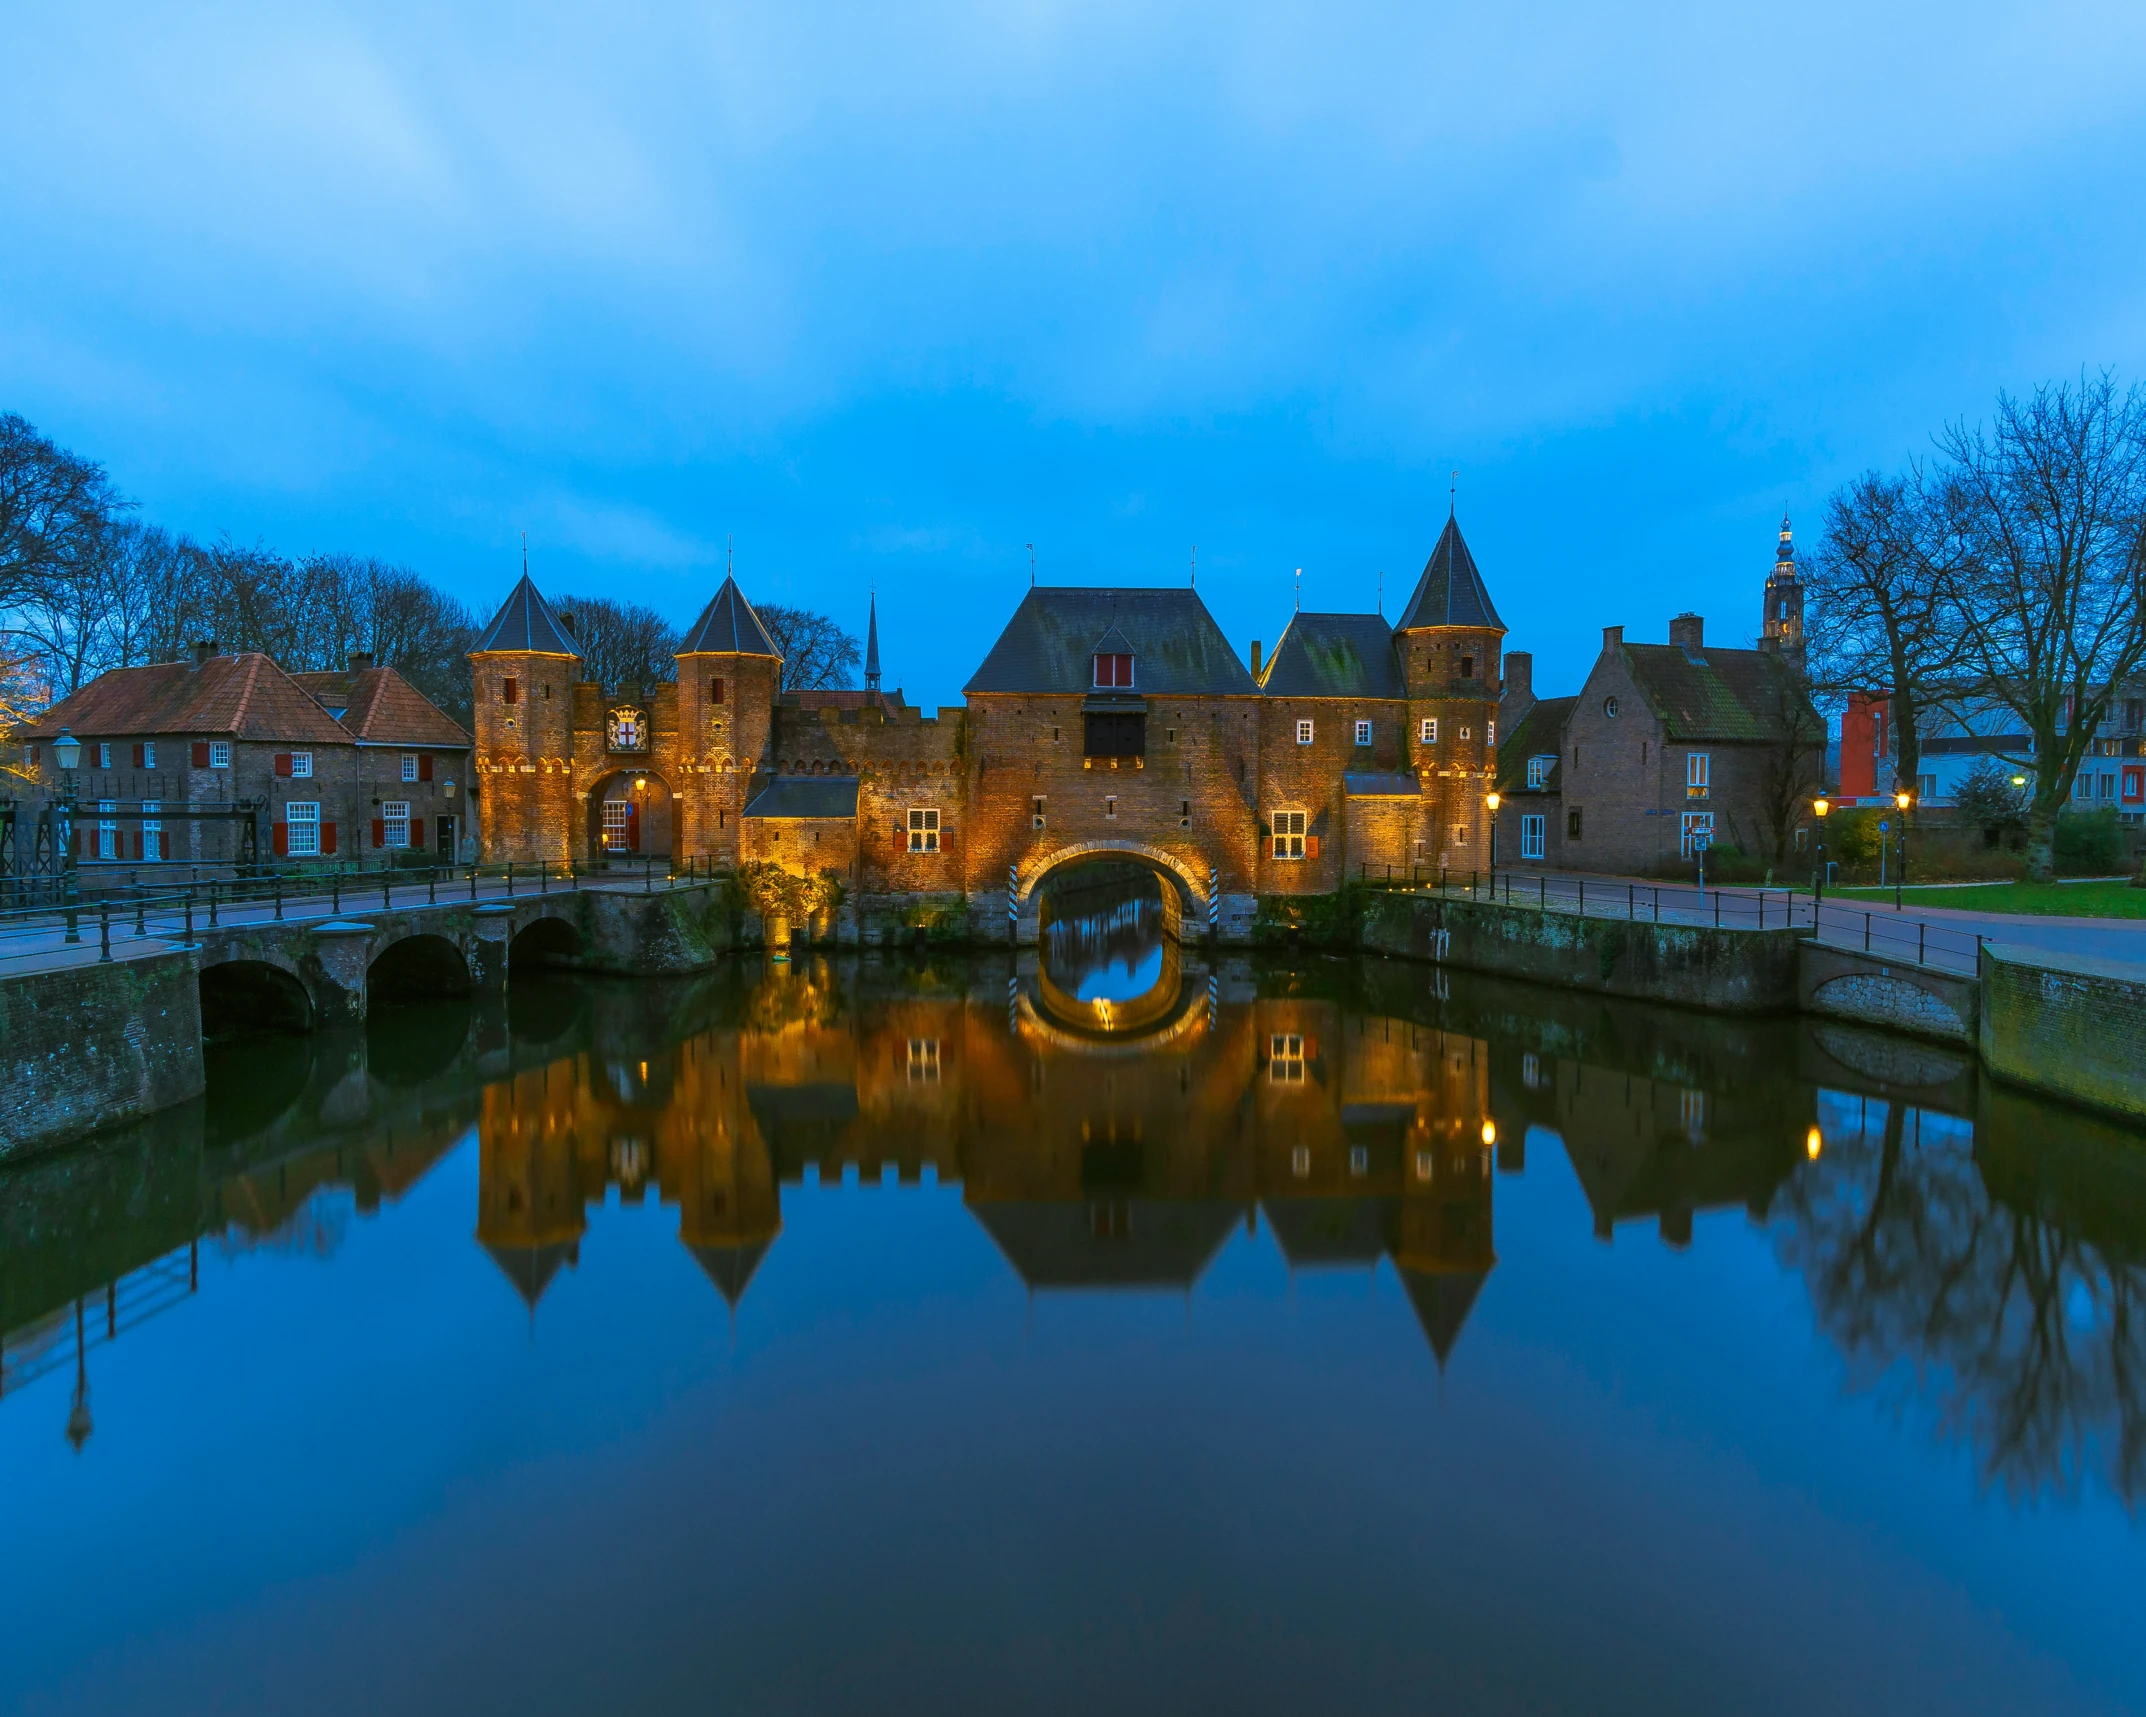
(871, 646)
(1450, 592)
(1442, 1303)
(530, 1268)
(728, 626)
(730, 1268)
(525, 622)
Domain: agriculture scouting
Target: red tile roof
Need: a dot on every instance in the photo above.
(380, 707)
(246, 696)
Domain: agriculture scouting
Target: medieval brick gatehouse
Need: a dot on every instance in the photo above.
(1104, 721)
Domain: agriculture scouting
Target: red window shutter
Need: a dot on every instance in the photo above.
(715, 690)
(139, 757)
(141, 846)
(509, 690)
(424, 766)
(81, 843)
(379, 833)
(327, 837)
(283, 764)
(283, 839)
(1311, 846)
(201, 754)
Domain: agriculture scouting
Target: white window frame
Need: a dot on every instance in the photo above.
(152, 830)
(618, 822)
(295, 845)
(394, 816)
(148, 754)
(923, 829)
(1490, 733)
(1110, 805)
(1363, 733)
(1539, 769)
(1697, 823)
(1291, 829)
(1285, 1058)
(1532, 829)
(924, 1060)
(219, 754)
(1430, 730)
(1698, 774)
(409, 766)
(104, 754)
(1304, 731)
(107, 829)
(301, 766)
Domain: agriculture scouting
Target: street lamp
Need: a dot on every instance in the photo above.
(1821, 805)
(1903, 802)
(1491, 800)
(66, 752)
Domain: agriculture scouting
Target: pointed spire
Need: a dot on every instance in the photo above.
(728, 626)
(1784, 560)
(1450, 592)
(525, 623)
(871, 647)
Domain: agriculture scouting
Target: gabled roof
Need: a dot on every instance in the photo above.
(380, 707)
(1334, 656)
(247, 697)
(1541, 733)
(1719, 694)
(806, 796)
(526, 623)
(728, 626)
(1048, 644)
(1053, 1244)
(1327, 1232)
(1450, 592)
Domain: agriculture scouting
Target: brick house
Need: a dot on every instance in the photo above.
(1668, 747)
(227, 758)
(1103, 720)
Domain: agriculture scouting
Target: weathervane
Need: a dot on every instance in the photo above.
(1031, 566)
(1300, 590)
(1195, 580)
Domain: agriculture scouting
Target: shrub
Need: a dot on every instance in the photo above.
(2089, 843)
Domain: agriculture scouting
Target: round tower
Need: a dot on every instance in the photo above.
(729, 676)
(523, 671)
(1450, 641)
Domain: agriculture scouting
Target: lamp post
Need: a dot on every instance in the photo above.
(1821, 805)
(1903, 802)
(1490, 800)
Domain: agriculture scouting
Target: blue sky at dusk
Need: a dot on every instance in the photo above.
(886, 293)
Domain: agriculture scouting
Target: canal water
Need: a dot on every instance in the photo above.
(1123, 1334)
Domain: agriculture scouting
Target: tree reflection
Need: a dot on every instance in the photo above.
(2017, 1316)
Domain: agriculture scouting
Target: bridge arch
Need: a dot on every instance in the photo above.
(251, 998)
(421, 966)
(547, 940)
(1185, 881)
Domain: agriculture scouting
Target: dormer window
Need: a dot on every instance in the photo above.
(1114, 669)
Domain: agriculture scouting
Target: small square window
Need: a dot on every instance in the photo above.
(219, 754)
(149, 754)
(924, 1060)
(1303, 733)
(1285, 1065)
(1467, 733)
(104, 754)
(1430, 730)
(924, 831)
(1363, 733)
(409, 766)
(302, 763)
(1289, 834)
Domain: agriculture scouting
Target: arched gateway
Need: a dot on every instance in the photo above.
(1185, 889)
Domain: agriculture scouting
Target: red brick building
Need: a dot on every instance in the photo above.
(1104, 722)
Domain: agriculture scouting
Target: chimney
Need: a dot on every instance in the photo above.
(1612, 638)
(1255, 658)
(1520, 675)
(1688, 632)
(204, 650)
(361, 661)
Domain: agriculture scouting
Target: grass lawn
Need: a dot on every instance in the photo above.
(2046, 899)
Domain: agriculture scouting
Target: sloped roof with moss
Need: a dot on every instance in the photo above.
(1334, 656)
(1050, 643)
(1751, 695)
(1541, 733)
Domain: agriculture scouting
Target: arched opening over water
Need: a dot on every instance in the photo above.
(547, 943)
(416, 969)
(1108, 958)
(251, 998)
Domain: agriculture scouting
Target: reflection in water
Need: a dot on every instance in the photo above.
(1964, 1247)
(1108, 960)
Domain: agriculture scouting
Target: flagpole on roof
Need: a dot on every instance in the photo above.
(1031, 566)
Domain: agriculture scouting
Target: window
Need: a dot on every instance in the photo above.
(152, 829)
(618, 825)
(2135, 784)
(1803, 839)
(1113, 669)
(1184, 813)
(104, 754)
(1531, 1070)
(1531, 836)
(547, 691)
(107, 829)
(1300, 1156)
(510, 690)
(1467, 733)
(2083, 787)
(1430, 730)
(219, 754)
(1423, 1165)
(1303, 733)
(1609, 708)
(1698, 831)
(924, 831)
(1460, 834)
(1926, 786)
(1359, 1160)
(303, 817)
(1467, 667)
(148, 754)
(2106, 787)
(1285, 1060)
(409, 766)
(302, 764)
(1363, 733)
(1035, 813)
(715, 690)
(1115, 733)
(1698, 774)
(1289, 834)
(1539, 770)
(1110, 804)
(395, 823)
(924, 1060)
(1490, 734)
(1572, 824)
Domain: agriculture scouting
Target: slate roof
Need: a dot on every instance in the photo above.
(1450, 592)
(806, 796)
(1380, 784)
(730, 1268)
(728, 626)
(1334, 656)
(1053, 1244)
(1330, 1232)
(380, 707)
(1442, 1303)
(525, 622)
(247, 697)
(1541, 733)
(1718, 694)
(1047, 645)
(531, 1268)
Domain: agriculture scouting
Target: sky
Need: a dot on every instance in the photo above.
(875, 298)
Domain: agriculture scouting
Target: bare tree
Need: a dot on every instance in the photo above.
(621, 643)
(1878, 589)
(53, 508)
(816, 653)
(2051, 598)
(1792, 767)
